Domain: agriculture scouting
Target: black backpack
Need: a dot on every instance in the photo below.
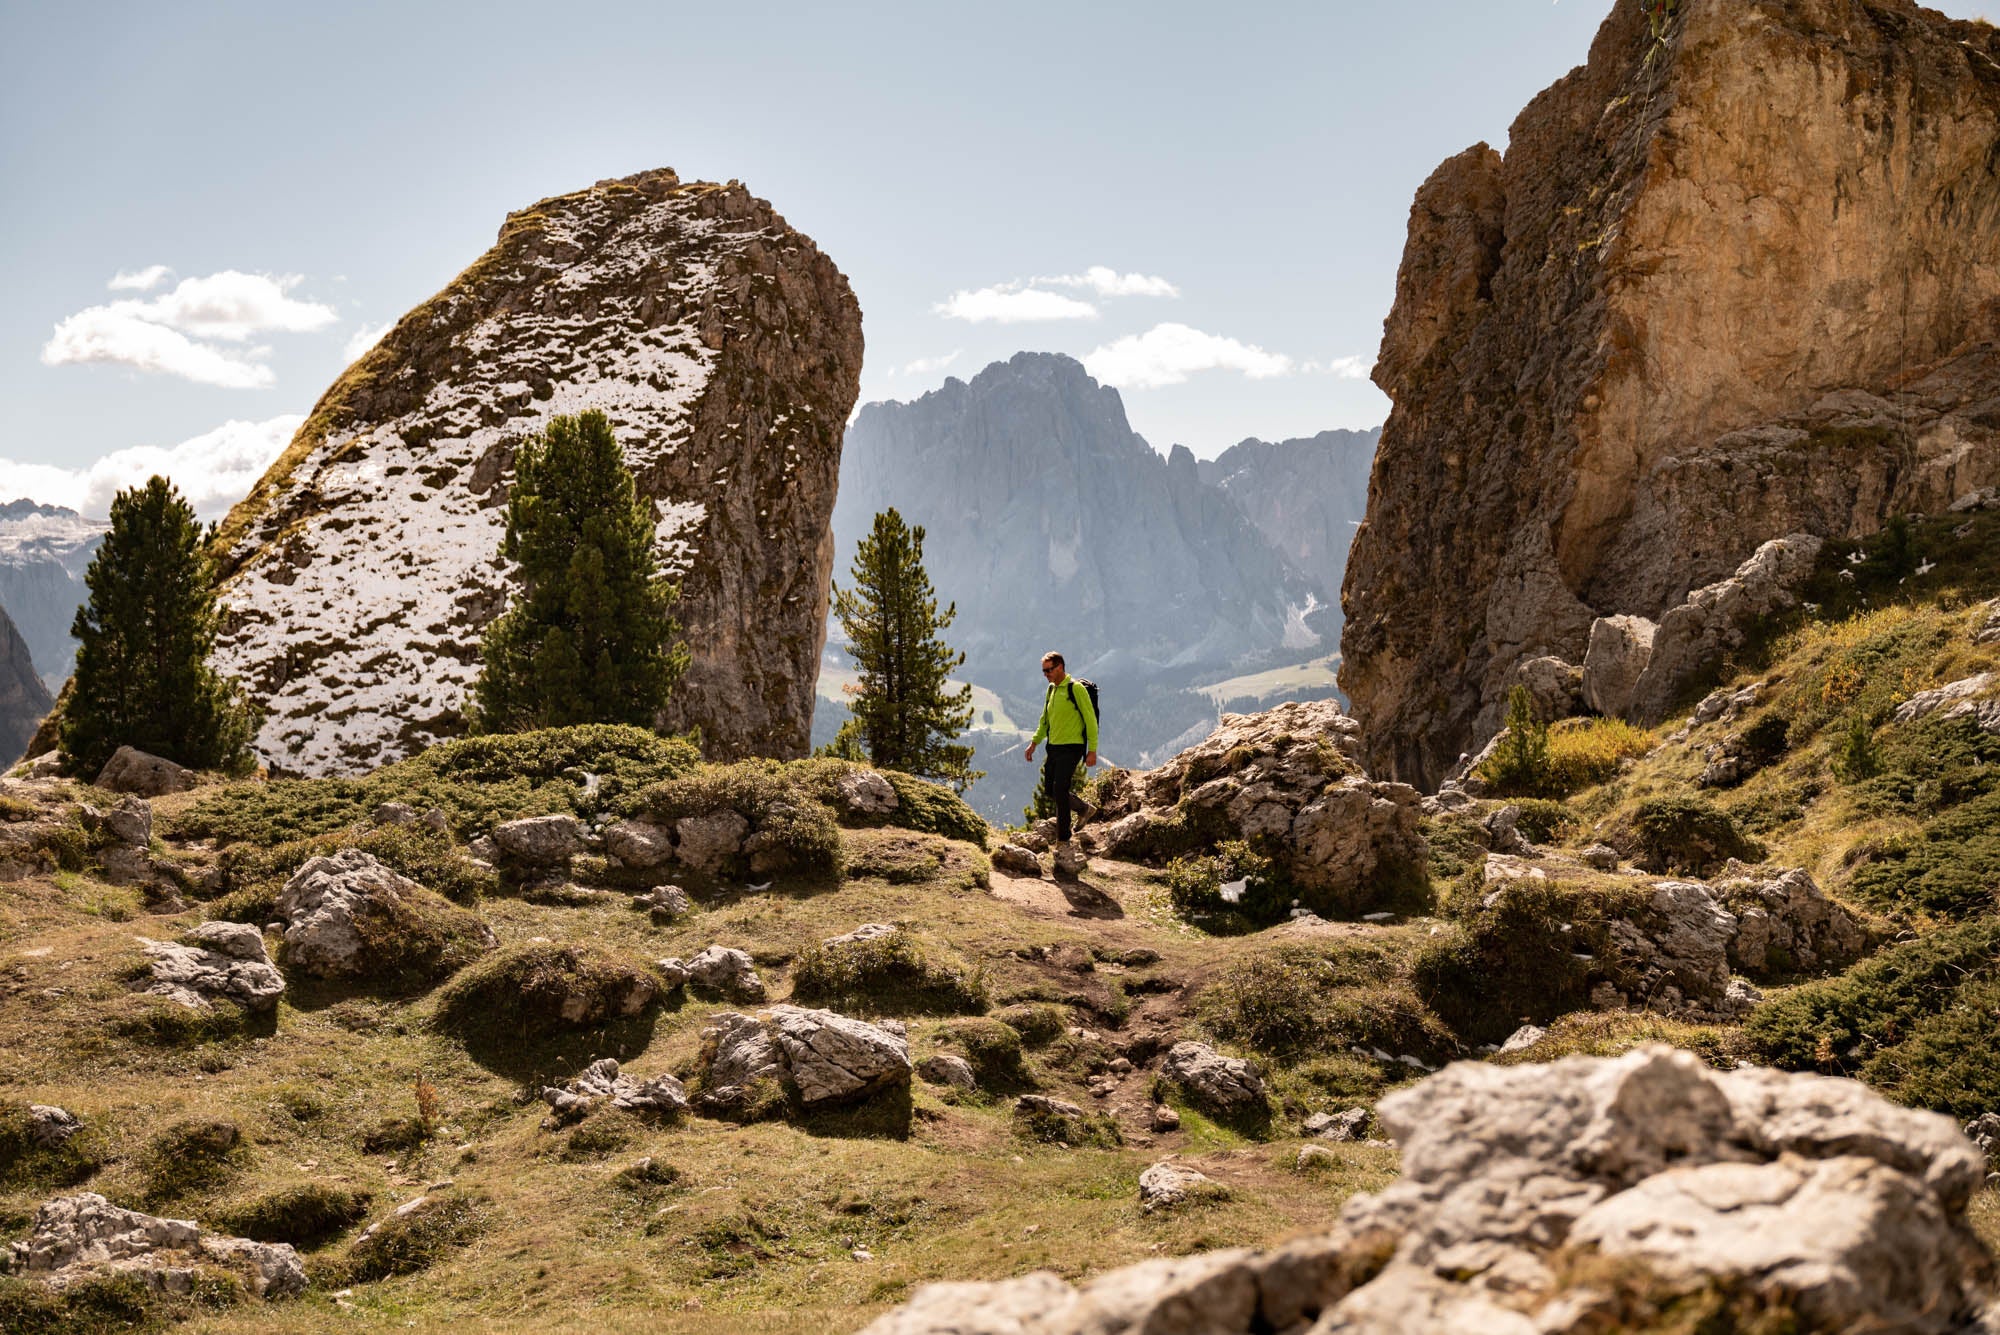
(1090, 689)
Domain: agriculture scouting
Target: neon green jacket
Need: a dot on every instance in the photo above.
(1061, 724)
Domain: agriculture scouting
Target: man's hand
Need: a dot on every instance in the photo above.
(1030, 756)
(1090, 761)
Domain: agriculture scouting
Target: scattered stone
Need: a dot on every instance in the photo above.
(865, 792)
(220, 960)
(47, 765)
(1042, 1103)
(1315, 1156)
(1229, 1086)
(1017, 860)
(639, 844)
(541, 841)
(826, 1059)
(1349, 1125)
(131, 770)
(1502, 826)
(436, 819)
(1524, 1038)
(78, 1237)
(349, 915)
(707, 843)
(1168, 1185)
(727, 970)
(1976, 697)
(51, 1127)
(867, 931)
(1986, 632)
(1602, 857)
(944, 1069)
(1619, 649)
(1070, 861)
(395, 813)
(130, 823)
(665, 904)
(602, 1080)
(1165, 1118)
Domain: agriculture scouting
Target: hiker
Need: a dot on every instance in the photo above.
(1070, 724)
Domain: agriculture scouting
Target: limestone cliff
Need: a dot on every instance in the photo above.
(1724, 285)
(725, 348)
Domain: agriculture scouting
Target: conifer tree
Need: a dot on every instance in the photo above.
(591, 638)
(144, 634)
(904, 714)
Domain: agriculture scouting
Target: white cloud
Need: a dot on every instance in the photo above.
(1168, 354)
(213, 470)
(1004, 305)
(926, 365)
(1355, 367)
(1108, 282)
(364, 338)
(138, 280)
(107, 334)
(159, 334)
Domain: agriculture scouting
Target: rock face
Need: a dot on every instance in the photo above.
(1286, 781)
(1014, 475)
(223, 961)
(81, 1236)
(726, 350)
(24, 698)
(1667, 327)
(1813, 1195)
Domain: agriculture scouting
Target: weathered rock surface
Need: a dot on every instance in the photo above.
(131, 770)
(1785, 924)
(1349, 1125)
(540, 841)
(1017, 860)
(1286, 781)
(639, 844)
(863, 792)
(223, 961)
(50, 1126)
(81, 1236)
(707, 843)
(1570, 440)
(348, 915)
(1812, 1194)
(1976, 697)
(1229, 1086)
(602, 1081)
(943, 1068)
(728, 971)
(825, 1059)
(726, 350)
(1168, 1185)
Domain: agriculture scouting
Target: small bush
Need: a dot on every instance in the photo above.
(1194, 885)
(785, 818)
(598, 1137)
(1544, 821)
(896, 974)
(1299, 1001)
(1951, 868)
(404, 1244)
(426, 856)
(1519, 766)
(1839, 1026)
(1037, 1022)
(189, 1157)
(105, 1303)
(538, 988)
(1088, 1131)
(993, 1049)
(1687, 836)
(305, 1216)
(1764, 742)
(24, 1162)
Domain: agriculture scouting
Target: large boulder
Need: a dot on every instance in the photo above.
(216, 961)
(1810, 1199)
(131, 770)
(1570, 440)
(361, 570)
(1786, 925)
(822, 1059)
(541, 841)
(347, 915)
(84, 1236)
(1286, 781)
(1225, 1086)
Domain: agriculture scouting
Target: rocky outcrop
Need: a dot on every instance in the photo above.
(1287, 782)
(85, 1236)
(347, 915)
(602, 1082)
(1786, 925)
(726, 350)
(1797, 1196)
(1226, 1086)
(822, 1059)
(217, 961)
(1668, 326)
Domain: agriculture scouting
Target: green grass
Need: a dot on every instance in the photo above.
(901, 973)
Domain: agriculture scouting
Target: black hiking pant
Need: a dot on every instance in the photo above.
(1059, 764)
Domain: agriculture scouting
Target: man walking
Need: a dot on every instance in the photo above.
(1070, 724)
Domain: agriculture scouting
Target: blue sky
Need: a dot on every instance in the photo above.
(306, 173)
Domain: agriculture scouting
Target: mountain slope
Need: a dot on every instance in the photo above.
(44, 551)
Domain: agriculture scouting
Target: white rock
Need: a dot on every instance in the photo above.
(726, 970)
(1167, 1184)
(78, 1236)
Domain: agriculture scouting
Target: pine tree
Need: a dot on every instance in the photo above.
(144, 634)
(904, 715)
(591, 638)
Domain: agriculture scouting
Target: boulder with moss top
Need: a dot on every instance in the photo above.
(820, 1058)
(348, 915)
(216, 961)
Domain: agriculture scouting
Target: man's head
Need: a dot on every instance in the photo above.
(1052, 666)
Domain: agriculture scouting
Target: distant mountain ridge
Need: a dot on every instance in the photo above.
(44, 552)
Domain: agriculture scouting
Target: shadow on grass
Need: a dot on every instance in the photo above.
(535, 1060)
